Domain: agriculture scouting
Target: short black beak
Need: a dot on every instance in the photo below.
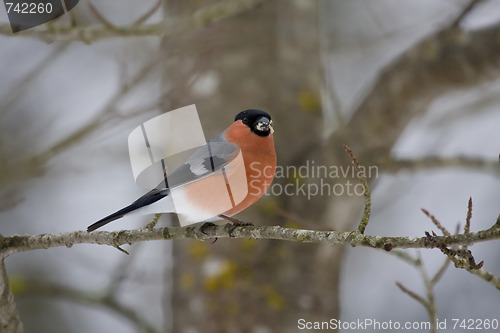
(263, 122)
(264, 125)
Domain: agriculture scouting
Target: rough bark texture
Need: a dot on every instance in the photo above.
(15, 244)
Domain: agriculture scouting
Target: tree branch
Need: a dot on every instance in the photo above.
(16, 243)
(92, 33)
(366, 192)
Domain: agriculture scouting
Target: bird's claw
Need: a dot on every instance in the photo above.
(206, 225)
(236, 223)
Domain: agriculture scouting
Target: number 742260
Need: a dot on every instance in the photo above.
(29, 7)
(475, 324)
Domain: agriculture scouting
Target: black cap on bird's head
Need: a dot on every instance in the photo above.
(258, 121)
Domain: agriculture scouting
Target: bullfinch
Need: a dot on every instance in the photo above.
(193, 184)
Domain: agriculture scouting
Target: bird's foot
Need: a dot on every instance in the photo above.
(236, 223)
(204, 227)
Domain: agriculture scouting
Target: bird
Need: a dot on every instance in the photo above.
(194, 183)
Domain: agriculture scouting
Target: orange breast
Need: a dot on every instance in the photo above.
(260, 163)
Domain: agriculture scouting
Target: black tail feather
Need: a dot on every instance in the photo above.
(112, 217)
(145, 200)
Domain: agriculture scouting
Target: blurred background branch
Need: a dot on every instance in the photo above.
(427, 302)
(106, 301)
(89, 34)
(391, 164)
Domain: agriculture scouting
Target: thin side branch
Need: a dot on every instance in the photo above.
(429, 304)
(412, 294)
(441, 271)
(154, 221)
(465, 11)
(436, 222)
(366, 193)
(468, 218)
(148, 14)
(102, 18)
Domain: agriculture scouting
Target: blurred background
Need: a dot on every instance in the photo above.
(413, 87)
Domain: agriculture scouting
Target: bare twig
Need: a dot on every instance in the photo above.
(429, 302)
(101, 18)
(441, 271)
(148, 14)
(465, 11)
(469, 216)
(405, 256)
(154, 221)
(366, 193)
(436, 222)
(467, 220)
(412, 294)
